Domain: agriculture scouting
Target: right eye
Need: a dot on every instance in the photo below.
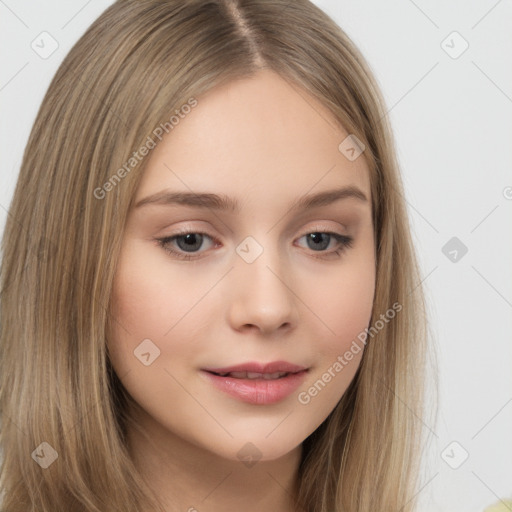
(186, 240)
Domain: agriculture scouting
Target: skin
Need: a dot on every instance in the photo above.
(264, 143)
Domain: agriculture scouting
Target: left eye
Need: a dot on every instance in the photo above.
(190, 242)
(320, 240)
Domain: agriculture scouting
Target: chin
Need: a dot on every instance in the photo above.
(256, 449)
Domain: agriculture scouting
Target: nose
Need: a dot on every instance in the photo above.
(262, 296)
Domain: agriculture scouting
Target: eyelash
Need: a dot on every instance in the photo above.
(344, 243)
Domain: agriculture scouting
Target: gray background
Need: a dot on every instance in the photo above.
(451, 115)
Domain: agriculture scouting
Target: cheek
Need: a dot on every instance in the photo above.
(343, 305)
(141, 308)
(150, 300)
(344, 308)
(147, 299)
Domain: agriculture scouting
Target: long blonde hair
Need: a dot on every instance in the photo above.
(137, 63)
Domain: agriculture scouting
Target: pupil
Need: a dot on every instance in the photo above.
(317, 237)
(191, 240)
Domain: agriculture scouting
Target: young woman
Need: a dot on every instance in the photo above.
(210, 299)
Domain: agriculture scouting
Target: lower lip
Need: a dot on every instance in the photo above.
(258, 391)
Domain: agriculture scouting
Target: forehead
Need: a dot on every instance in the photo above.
(260, 137)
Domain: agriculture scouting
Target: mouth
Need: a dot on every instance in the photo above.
(255, 383)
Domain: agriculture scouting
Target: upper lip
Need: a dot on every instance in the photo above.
(255, 367)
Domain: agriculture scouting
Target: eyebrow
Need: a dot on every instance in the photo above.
(226, 203)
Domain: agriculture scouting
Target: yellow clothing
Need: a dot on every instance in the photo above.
(501, 506)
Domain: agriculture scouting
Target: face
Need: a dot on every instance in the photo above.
(269, 277)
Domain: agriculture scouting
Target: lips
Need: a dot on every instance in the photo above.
(256, 383)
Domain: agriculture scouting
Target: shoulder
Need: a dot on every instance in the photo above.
(501, 506)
